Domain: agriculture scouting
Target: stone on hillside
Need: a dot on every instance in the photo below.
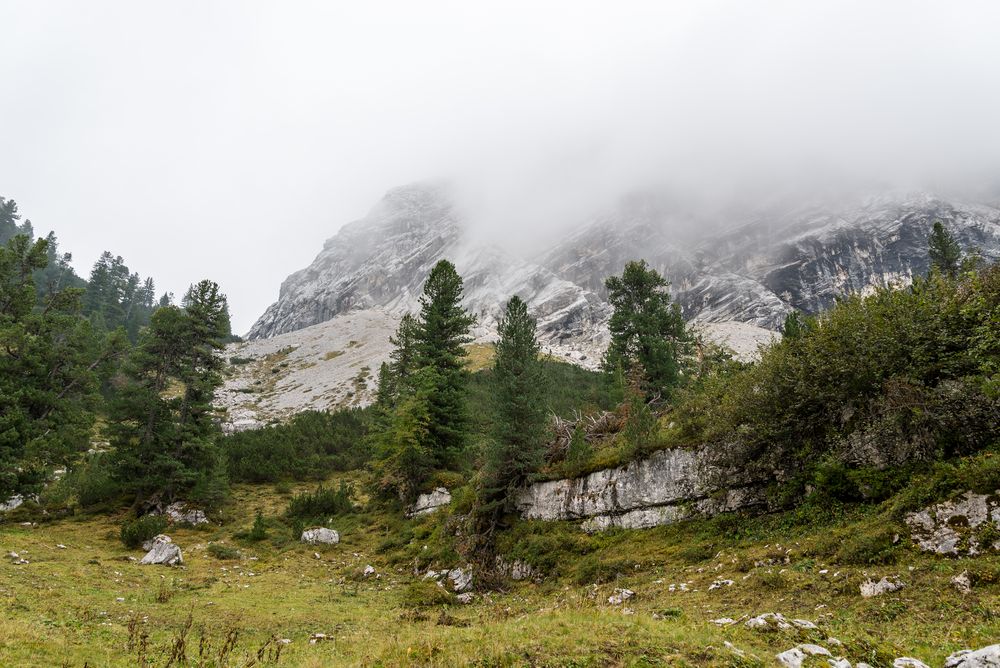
(179, 513)
(11, 503)
(776, 620)
(908, 662)
(156, 540)
(794, 658)
(987, 657)
(320, 536)
(951, 527)
(430, 502)
(461, 579)
(870, 588)
(369, 570)
(619, 596)
(962, 582)
(465, 598)
(163, 551)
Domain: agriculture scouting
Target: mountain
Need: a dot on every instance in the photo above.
(736, 275)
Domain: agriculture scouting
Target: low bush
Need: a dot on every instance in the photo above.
(322, 503)
(136, 532)
(223, 552)
(425, 593)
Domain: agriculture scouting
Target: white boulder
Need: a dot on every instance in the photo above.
(908, 662)
(320, 536)
(987, 657)
(870, 588)
(619, 596)
(430, 502)
(163, 551)
(179, 513)
(950, 527)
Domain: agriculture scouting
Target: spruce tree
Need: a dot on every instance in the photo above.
(403, 458)
(645, 327)
(443, 330)
(403, 358)
(161, 423)
(49, 364)
(944, 251)
(518, 392)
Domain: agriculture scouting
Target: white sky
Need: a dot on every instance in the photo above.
(228, 140)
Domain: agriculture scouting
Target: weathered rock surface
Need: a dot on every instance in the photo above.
(430, 502)
(179, 513)
(320, 536)
(953, 527)
(987, 657)
(162, 550)
(794, 658)
(908, 662)
(870, 588)
(10, 504)
(668, 486)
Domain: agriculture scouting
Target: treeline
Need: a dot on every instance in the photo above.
(73, 351)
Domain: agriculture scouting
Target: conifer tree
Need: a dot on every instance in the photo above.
(944, 251)
(518, 391)
(443, 330)
(645, 327)
(403, 455)
(403, 358)
(161, 423)
(49, 360)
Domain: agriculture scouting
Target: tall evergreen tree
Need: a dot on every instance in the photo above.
(161, 424)
(945, 253)
(49, 360)
(518, 392)
(645, 327)
(403, 455)
(403, 358)
(443, 331)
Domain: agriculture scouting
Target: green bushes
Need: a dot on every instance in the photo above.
(309, 447)
(223, 552)
(877, 382)
(322, 503)
(136, 532)
(425, 593)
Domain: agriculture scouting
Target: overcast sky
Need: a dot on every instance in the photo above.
(229, 139)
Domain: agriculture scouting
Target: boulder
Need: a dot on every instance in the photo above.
(320, 536)
(987, 657)
(163, 551)
(156, 540)
(619, 596)
(952, 527)
(776, 620)
(179, 513)
(430, 502)
(908, 662)
(870, 588)
(962, 582)
(461, 579)
(793, 658)
(11, 503)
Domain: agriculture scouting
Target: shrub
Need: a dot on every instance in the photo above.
(860, 548)
(258, 531)
(136, 532)
(425, 593)
(322, 503)
(223, 552)
(309, 447)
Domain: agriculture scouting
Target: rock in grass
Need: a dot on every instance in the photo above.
(870, 588)
(962, 582)
(951, 527)
(461, 579)
(179, 513)
(793, 658)
(987, 657)
(619, 596)
(320, 536)
(430, 502)
(908, 662)
(163, 551)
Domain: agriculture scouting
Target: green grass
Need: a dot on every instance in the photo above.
(61, 608)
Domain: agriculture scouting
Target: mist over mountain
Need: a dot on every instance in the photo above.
(750, 266)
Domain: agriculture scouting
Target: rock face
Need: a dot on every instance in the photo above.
(987, 657)
(667, 487)
(162, 550)
(957, 527)
(320, 536)
(179, 513)
(430, 502)
(870, 588)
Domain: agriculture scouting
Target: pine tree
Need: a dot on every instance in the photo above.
(161, 423)
(403, 358)
(403, 457)
(49, 360)
(944, 251)
(443, 331)
(518, 391)
(645, 327)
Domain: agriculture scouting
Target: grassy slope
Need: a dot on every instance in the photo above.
(61, 610)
